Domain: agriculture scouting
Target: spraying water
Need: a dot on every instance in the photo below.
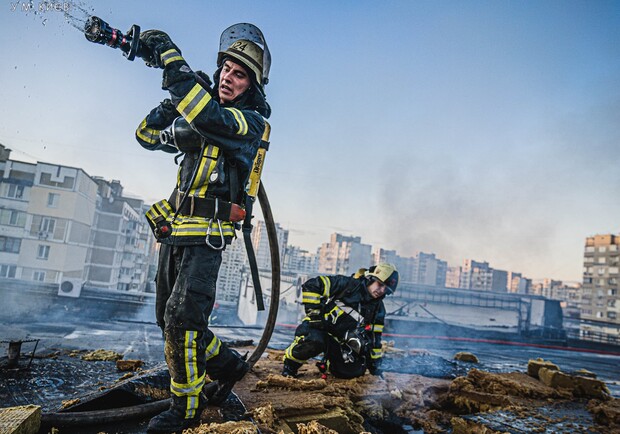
(78, 14)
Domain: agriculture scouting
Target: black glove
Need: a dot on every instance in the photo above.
(156, 42)
(316, 319)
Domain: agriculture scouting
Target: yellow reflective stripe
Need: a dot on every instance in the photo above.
(194, 102)
(149, 135)
(337, 313)
(170, 56)
(191, 406)
(288, 353)
(201, 184)
(310, 297)
(377, 328)
(375, 353)
(326, 286)
(200, 229)
(184, 389)
(213, 349)
(191, 367)
(241, 121)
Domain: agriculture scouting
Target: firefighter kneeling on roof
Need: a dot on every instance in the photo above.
(344, 321)
(218, 131)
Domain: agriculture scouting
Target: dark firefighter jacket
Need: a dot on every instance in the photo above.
(344, 304)
(231, 133)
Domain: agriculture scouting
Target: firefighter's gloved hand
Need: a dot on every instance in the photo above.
(315, 319)
(157, 42)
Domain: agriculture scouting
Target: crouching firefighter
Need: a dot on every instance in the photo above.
(344, 321)
(218, 130)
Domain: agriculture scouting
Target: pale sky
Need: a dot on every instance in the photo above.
(487, 130)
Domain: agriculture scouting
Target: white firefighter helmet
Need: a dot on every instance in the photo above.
(386, 274)
(246, 43)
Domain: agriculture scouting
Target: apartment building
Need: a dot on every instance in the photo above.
(482, 277)
(404, 265)
(344, 255)
(55, 225)
(600, 300)
(300, 262)
(260, 242)
(429, 270)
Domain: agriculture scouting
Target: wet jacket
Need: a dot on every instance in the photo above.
(232, 135)
(341, 304)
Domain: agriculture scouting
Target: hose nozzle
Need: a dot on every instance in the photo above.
(98, 31)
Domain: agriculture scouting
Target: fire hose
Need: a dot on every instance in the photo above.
(98, 31)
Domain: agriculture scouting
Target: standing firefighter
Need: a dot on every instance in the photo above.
(218, 130)
(344, 320)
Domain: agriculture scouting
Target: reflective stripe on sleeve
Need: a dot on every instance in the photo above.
(194, 102)
(149, 135)
(213, 349)
(241, 121)
(170, 56)
(327, 284)
(310, 297)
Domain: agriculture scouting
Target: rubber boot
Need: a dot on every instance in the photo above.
(290, 368)
(218, 391)
(173, 420)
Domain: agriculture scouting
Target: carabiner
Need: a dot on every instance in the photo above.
(219, 225)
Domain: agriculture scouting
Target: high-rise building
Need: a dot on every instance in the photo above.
(475, 275)
(480, 276)
(120, 254)
(344, 255)
(429, 270)
(453, 277)
(404, 265)
(518, 284)
(299, 261)
(600, 299)
(234, 262)
(260, 241)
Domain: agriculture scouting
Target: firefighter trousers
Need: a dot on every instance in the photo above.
(186, 284)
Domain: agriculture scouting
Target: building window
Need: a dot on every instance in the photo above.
(9, 244)
(601, 260)
(47, 225)
(8, 271)
(43, 252)
(612, 292)
(11, 217)
(599, 314)
(590, 249)
(612, 315)
(602, 249)
(15, 191)
(52, 200)
(38, 276)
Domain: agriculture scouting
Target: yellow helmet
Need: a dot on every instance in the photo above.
(245, 43)
(248, 53)
(386, 274)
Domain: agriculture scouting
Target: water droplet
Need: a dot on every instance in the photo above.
(15, 66)
(44, 22)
